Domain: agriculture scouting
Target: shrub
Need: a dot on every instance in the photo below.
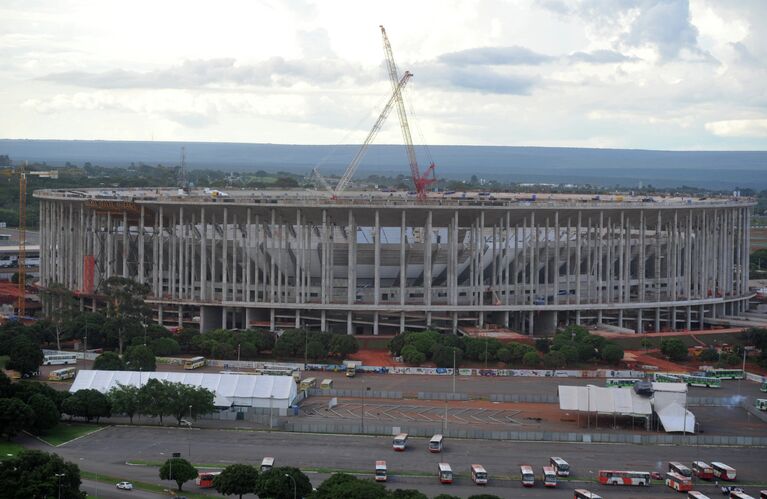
(709, 355)
(674, 349)
(612, 354)
(411, 355)
(531, 359)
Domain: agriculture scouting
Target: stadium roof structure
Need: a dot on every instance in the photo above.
(241, 390)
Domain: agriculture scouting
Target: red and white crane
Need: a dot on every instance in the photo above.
(421, 181)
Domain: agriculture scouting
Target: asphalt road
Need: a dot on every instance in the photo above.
(107, 451)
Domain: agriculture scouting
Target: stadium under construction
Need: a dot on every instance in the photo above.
(385, 262)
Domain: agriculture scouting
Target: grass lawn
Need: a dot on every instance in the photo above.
(152, 487)
(634, 342)
(3, 360)
(64, 432)
(374, 343)
(9, 448)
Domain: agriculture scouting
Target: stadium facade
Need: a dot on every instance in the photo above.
(374, 262)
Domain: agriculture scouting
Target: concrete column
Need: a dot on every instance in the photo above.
(577, 270)
(141, 269)
(351, 272)
(480, 267)
(555, 270)
(402, 271)
(377, 269)
(161, 256)
(427, 267)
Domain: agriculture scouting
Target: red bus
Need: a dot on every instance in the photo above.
(549, 476)
(678, 482)
(610, 477)
(528, 478)
(723, 472)
(702, 470)
(204, 479)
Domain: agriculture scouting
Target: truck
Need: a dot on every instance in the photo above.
(351, 367)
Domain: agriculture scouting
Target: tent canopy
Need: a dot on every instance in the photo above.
(675, 417)
(229, 389)
(603, 400)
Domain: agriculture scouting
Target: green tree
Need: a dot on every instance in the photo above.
(108, 361)
(531, 359)
(24, 356)
(315, 350)
(343, 486)
(612, 354)
(396, 345)
(554, 360)
(276, 484)
(342, 345)
(543, 345)
(35, 474)
(140, 358)
(407, 494)
(484, 496)
(709, 355)
(571, 354)
(674, 349)
(164, 347)
(125, 399)
(178, 470)
(411, 355)
(125, 304)
(15, 416)
(503, 354)
(236, 479)
(89, 404)
(46, 414)
(446, 496)
(185, 400)
(60, 303)
(154, 399)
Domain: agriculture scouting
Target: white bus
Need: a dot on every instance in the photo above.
(694, 494)
(560, 465)
(400, 442)
(445, 473)
(736, 494)
(585, 494)
(62, 374)
(678, 482)
(380, 471)
(267, 463)
(723, 472)
(528, 477)
(57, 359)
(478, 474)
(680, 468)
(194, 362)
(435, 444)
(549, 476)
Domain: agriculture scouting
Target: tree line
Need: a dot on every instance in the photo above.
(568, 348)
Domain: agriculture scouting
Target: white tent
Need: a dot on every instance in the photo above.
(277, 392)
(603, 400)
(675, 417)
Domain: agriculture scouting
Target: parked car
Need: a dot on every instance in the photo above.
(124, 485)
(656, 475)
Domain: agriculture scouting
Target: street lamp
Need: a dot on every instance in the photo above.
(365, 389)
(294, 484)
(58, 481)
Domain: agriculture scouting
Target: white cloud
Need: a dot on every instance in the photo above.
(739, 128)
(624, 73)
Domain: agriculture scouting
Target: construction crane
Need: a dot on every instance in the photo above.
(395, 97)
(421, 181)
(352, 168)
(22, 172)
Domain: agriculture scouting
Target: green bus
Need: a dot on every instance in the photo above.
(622, 382)
(726, 373)
(763, 387)
(706, 381)
(761, 404)
(668, 377)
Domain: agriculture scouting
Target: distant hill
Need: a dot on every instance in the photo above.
(605, 167)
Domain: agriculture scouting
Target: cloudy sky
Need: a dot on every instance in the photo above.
(652, 74)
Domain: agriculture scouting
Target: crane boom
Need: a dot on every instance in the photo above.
(395, 97)
(21, 171)
(420, 181)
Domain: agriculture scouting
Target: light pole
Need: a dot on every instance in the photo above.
(294, 484)
(453, 370)
(58, 481)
